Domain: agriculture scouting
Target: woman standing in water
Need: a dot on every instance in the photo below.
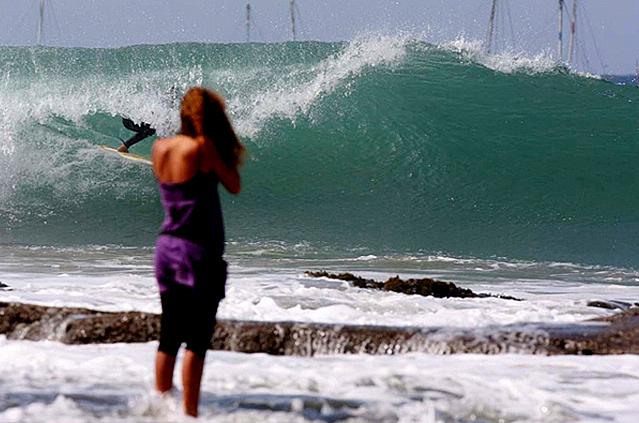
(190, 270)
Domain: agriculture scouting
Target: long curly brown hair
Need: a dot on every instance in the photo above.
(202, 114)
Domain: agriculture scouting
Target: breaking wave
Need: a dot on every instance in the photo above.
(384, 143)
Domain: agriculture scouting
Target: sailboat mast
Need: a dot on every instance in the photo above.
(560, 45)
(41, 22)
(248, 21)
(573, 32)
(491, 27)
(293, 29)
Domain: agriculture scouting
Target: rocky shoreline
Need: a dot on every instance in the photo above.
(616, 334)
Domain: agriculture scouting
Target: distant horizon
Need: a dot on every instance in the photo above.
(605, 43)
(621, 78)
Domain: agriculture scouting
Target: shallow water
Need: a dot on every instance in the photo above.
(274, 288)
(109, 383)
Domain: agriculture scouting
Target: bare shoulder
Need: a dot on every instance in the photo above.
(178, 147)
(175, 158)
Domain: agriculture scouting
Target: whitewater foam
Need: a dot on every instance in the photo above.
(269, 288)
(113, 383)
(302, 86)
(508, 61)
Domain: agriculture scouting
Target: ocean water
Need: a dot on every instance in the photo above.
(382, 156)
(384, 144)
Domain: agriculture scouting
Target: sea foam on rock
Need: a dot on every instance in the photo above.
(425, 286)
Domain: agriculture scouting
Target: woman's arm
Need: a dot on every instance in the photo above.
(228, 176)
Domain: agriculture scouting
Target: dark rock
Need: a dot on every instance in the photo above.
(611, 304)
(425, 287)
(112, 327)
(501, 296)
(619, 336)
(4, 286)
(27, 321)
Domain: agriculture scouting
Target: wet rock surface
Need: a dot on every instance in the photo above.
(425, 287)
(76, 325)
(617, 334)
(612, 304)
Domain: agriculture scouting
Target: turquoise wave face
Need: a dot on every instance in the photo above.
(383, 144)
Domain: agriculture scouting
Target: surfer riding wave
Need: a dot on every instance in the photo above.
(142, 131)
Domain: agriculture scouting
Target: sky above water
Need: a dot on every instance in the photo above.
(607, 37)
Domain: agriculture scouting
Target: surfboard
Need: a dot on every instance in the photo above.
(127, 156)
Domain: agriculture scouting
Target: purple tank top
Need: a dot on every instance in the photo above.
(193, 212)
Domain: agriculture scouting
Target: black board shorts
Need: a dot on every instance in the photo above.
(186, 318)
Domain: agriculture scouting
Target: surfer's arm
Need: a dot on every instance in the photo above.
(145, 132)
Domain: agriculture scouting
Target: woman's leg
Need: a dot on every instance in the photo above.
(199, 334)
(192, 369)
(170, 339)
(164, 365)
